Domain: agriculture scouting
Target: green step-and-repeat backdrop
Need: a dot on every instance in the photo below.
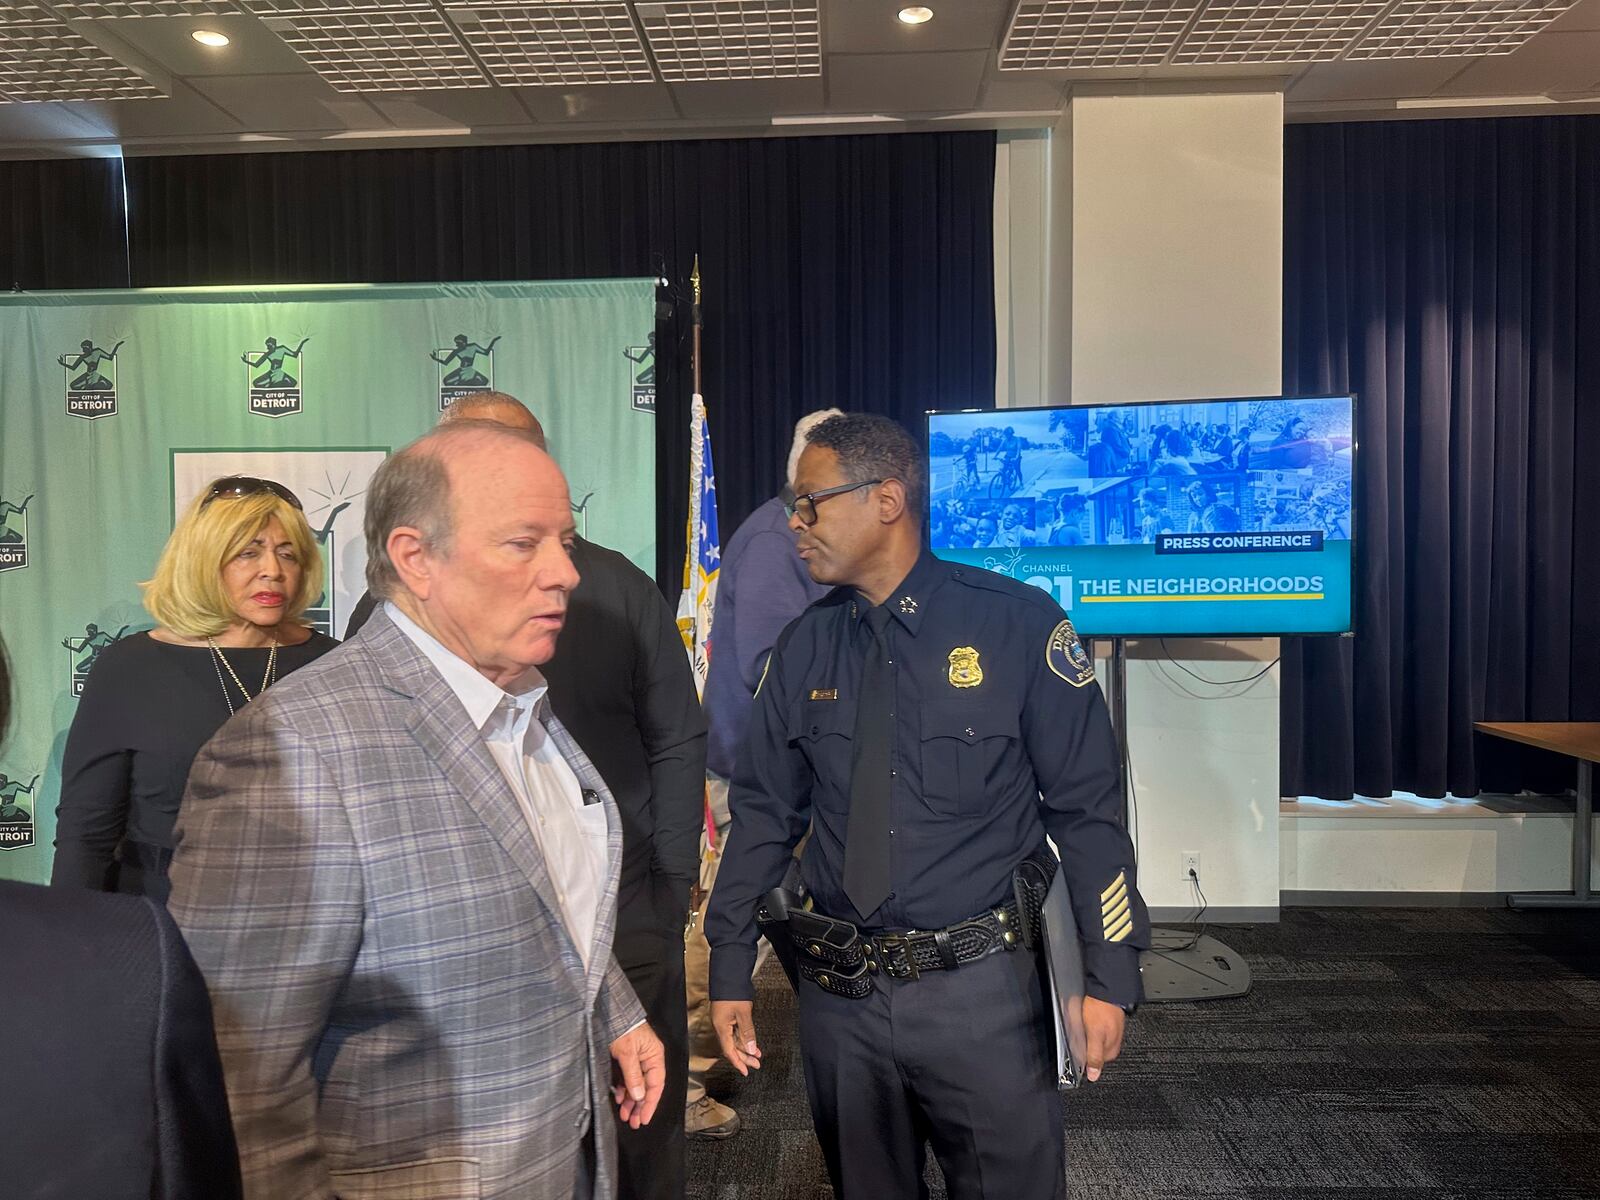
(117, 407)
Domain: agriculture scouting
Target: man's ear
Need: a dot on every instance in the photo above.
(891, 500)
(412, 562)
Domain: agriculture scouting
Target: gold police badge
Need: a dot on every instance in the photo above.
(964, 669)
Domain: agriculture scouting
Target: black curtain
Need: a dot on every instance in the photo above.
(1449, 273)
(848, 271)
(61, 224)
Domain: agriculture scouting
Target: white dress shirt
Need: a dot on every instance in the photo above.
(571, 835)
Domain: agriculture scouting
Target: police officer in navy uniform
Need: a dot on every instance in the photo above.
(930, 723)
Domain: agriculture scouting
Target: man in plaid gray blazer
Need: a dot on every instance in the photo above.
(398, 872)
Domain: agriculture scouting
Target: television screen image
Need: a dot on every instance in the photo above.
(1196, 518)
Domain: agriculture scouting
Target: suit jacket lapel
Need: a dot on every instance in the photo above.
(442, 728)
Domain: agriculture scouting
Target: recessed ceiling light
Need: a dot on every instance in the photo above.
(209, 37)
(917, 14)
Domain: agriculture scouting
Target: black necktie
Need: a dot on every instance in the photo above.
(866, 846)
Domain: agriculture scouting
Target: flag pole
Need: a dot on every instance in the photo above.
(694, 319)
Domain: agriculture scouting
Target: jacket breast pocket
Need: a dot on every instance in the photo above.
(964, 746)
(824, 731)
(425, 1179)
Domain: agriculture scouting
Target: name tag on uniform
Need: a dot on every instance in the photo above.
(824, 693)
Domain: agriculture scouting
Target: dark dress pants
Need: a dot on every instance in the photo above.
(650, 1160)
(960, 1060)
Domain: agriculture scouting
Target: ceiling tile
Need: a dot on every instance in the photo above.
(905, 83)
(1583, 15)
(101, 9)
(1093, 33)
(473, 107)
(1456, 28)
(1015, 92)
(253, 49)
(25, 12)
(1552, 62)
(1268, 31)
(618, 103)
(51, 62)
(283, 8)
(752, 99)
(380, 51)
(287, 104)
(50, 122)
(1384, 79)
(870, 26)
(555, 43)
(185, 113)
(733, 39)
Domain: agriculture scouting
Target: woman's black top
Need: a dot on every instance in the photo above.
(147, 708)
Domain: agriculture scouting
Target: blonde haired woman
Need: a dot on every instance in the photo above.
(227, 595)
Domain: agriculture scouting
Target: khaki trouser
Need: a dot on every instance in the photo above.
(703, 1049)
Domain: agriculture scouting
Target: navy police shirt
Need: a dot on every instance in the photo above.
(1001, 736)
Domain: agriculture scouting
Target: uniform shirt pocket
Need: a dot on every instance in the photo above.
(824, 730)
(964, 747)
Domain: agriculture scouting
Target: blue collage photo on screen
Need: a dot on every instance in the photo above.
(1188, 518)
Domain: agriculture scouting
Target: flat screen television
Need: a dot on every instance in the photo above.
(1185, 518)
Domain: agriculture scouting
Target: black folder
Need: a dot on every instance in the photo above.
(1063, 960)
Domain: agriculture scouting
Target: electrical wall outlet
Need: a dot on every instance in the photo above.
(1191, 862)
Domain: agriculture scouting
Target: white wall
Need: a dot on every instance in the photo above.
(1166, 267)
(1438, 854)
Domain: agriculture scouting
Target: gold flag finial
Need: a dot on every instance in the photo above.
(694, 278)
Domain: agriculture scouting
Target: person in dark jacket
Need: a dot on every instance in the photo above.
(112, 1083)
(621, 684)
(762, 586)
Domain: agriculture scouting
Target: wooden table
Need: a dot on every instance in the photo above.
(1579, 740)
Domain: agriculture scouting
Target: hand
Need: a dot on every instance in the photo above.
(641, 1063)
(1102, 1023)
(735, 1023)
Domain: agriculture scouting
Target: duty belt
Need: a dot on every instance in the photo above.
(840, 959)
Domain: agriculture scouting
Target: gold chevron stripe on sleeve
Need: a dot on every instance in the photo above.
(1122, 930)
(1120, 881)
(1111, 918)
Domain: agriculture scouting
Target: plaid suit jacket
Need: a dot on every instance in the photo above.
(400, 1010)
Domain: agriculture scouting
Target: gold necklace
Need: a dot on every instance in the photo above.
(267, 679)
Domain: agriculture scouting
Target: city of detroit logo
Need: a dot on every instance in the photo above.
(14, 533)
(274, 391)
(16, 814)
(91, 378)
(644, 379)
(82, 651)
(465, 376)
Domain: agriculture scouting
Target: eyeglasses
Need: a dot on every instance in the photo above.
(805, 507)
(232, 487)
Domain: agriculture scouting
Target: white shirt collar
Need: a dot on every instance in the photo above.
(478, 696)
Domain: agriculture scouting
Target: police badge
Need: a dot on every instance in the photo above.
(964, 669)
(1067, 657)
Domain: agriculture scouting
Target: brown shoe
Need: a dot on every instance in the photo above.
(705, 1118)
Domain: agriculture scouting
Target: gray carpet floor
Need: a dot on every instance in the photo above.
(1397, 1054)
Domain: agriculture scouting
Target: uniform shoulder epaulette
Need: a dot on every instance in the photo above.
(990, 581)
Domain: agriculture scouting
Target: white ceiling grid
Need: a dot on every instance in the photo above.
(733, 39)
(381, 51)
(1457, 28)
(522, 43)
(1260, 31)
(1052, 34)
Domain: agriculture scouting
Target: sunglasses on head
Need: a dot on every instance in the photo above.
(232, 487)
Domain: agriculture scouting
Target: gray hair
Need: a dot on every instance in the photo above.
(874, 447)
(802, 438)
(412, 490)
